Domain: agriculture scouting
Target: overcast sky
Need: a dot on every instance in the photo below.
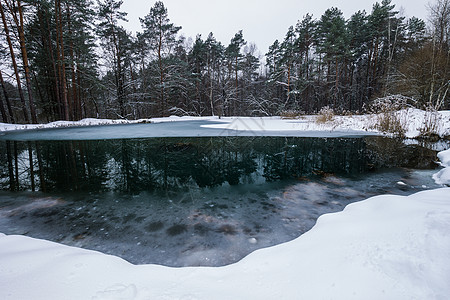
(262, 21)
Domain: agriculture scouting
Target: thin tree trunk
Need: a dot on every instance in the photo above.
(75, 106)
(16, 165)
(80, 94)
(13, 59)
(210, 88)
(30, 156)
(61, 58)
(41, 170)
(237, 86)
(26, 67)
(161, 70)
(12, 181)
(3, 111)
(8, 103)
(336, 87)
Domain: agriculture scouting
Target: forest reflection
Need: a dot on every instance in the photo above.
(162, 164)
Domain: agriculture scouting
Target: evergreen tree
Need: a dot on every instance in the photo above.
(63, 74)
(305, 41)
(215, 57)
(198, 62)
(161, 39)
(10, 7)
(385, 31)
(117, 43)
(358, 32)
(288, 58)
(332, 43)
(250, 79)
(234, 59)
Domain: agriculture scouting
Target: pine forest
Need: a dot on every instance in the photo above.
(69, 60)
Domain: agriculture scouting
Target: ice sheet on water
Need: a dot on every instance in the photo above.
(166, 129)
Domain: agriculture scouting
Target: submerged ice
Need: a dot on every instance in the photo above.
(204, 201)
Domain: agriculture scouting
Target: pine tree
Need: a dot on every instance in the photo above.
(385, 33)
(234, 58)
(116, 42)
(161, 38)
(57, 31)
(13, 56)
(215, 57)
(358, 31)
(198, 62)
(305, 41)
(332, 42)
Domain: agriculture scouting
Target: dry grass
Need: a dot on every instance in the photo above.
(388, 120)
(292, 114)
(326, 114)
(431, 125)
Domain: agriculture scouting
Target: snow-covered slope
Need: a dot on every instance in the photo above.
(412, 119)
(386, 247)
(443, 176)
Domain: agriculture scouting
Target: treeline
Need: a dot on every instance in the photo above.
(67, 60)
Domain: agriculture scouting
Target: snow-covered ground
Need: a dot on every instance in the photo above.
(386, 247)
(443, 176)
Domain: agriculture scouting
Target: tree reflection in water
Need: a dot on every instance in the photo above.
(192, 201)
(171, 164)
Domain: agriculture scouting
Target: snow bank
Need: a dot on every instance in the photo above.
(416, 119)
(94, 122)
(413, 120)
(386, 247)
(443, 176)
(306, 123)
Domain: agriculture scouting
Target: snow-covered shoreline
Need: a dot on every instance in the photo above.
(413, 118)
(443, 176)
(385, 247)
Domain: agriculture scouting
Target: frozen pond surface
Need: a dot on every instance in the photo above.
(164, 129)
(192, 201)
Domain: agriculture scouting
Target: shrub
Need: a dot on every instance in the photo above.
(431, 124)
(390, 122)
(292, 114)
(388, 118)
(326, 114)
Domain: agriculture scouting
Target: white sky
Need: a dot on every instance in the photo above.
(262, 21)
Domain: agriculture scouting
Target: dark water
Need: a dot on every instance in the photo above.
(195, 201)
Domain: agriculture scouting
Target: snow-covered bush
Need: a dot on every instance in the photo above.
(326, 114)
(388, 118)
(431, 124)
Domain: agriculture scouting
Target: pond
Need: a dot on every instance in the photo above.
(193, 201)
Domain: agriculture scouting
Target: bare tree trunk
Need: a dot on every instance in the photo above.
(8, 103)
(12, 181)
(336, 87)
(3, 111)
(13, 59)
(30, 156)
(26, 67)
(61, 58)
(16, 165)
(75, 105)
(58, 112)
(41, 172)
(210, 88)
(161, 71)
